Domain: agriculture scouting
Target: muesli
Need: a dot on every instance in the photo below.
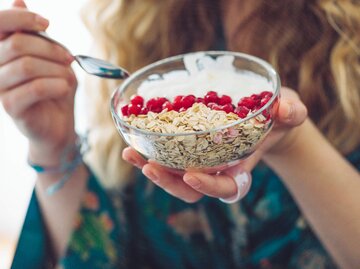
(199, 132)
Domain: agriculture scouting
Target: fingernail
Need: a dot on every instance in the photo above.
(193, 182)
(134, 162)
(41, 21)
(290, 110)
(69, 58)
(151, 175)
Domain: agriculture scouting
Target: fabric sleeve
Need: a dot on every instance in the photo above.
(96, 240)
(31, 251)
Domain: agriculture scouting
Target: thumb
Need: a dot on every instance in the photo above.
(19, 3)
(291, 112)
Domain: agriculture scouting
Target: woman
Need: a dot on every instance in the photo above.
(303, 213)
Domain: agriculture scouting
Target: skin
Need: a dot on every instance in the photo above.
(37, 91)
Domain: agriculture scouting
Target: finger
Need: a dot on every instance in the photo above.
(242, 179)
(20, 44)
(133, 157)
(28, 68)
(19, 4)
(172, 184)
(233, 182)
(18, 100)
(220, 186)
(291, 112)
(13, 20)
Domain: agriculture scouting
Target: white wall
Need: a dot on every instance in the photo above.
(16, 179)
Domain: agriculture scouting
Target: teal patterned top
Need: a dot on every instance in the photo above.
(143, 227)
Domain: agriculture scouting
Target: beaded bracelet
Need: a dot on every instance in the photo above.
(77, 151)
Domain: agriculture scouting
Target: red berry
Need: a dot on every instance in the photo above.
(241, 111)
(227, 108)
(161, 100)
(255, 96)
(151, 103)
(211, 97)
(199, 100)
(137, 100)
(248, 102)
(125, 110)
(214, 106)
(266, 94)
(167, 105)
(187, 101)
(144, 111)
(225, 99)
(177, 102)
(266, 114)
(264, 101)
(155, 104)
(134, 109)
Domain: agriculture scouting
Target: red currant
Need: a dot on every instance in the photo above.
(144, 111)
(242, 111)
(264, 101)
(227, 108)
(137, 100)
(199, 100)
(187, 101)
(225, 99)
(266, 94)
(248, 102)
(266, 114)
(255, 96)
(211, 97)
(155, 104)
(125, 110)
(167, 105)
(177, 102)
(134, 109)
(214, 106)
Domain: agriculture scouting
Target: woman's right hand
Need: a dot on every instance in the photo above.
(37, 84)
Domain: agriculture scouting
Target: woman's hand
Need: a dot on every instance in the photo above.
(192, 186)
(37, 84)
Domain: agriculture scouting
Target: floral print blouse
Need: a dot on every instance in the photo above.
(143, 227)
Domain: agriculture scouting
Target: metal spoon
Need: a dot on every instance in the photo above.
(90, 64)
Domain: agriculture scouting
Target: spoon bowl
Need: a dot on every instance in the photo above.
(100, 68)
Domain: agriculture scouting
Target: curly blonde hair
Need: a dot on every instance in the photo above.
(314, 45)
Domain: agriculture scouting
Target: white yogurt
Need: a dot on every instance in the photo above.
(204, 74)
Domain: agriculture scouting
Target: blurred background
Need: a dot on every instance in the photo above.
(16, 178)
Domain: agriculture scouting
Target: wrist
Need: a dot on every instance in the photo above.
(69, 160)
(51, 154)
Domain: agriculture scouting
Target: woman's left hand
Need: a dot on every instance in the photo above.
(192, 186)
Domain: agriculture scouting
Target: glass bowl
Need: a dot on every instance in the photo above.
(210, 150)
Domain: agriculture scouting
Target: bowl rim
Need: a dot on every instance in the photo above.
(146, 68)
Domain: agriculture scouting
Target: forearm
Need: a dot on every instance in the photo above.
(59, 210)
(327, 188)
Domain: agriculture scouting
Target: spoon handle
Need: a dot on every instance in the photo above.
(91, 65)
(47, 37)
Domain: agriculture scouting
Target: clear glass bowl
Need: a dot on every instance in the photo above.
(208, 151)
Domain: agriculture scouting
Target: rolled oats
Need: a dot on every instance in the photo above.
(201, 150)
